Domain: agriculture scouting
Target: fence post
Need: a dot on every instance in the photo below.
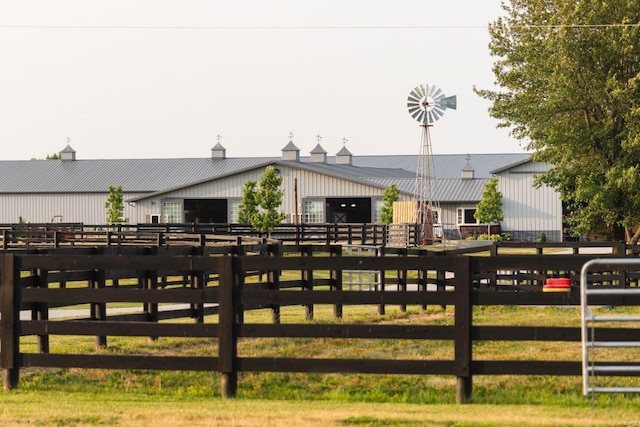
(462, 329)
(151, 283)
(423, 285)
(382, 273)
(10, 320)
(402, 278)
(336, 281)
(228, 340)
(198, 281)
(99, 309)
(274, 282)
(307, 281)
(42, 310)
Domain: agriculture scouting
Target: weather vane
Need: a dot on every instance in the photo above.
(290, 136)
(318, 138)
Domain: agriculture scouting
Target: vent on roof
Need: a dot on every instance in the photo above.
(318, 155)
(343, 157)
(68, 154)
(468, 172)
(218, 152)
(290, 151)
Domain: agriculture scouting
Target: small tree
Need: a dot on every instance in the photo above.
(248, 207)
(490, 207)
(115, 205)
(268, 197)
(389, 196)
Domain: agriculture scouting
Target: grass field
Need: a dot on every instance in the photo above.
(79, 397)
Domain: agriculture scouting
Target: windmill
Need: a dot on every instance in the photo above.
(426, 103)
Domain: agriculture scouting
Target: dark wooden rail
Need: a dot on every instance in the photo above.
(18, 236)
(40, 282)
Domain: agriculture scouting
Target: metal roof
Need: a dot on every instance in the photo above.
(135, 175)
(445, 190)
(162, 175)
(446, 166)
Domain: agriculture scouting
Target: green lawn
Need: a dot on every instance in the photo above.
(95, 397)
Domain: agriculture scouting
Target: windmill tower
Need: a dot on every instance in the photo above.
(426, 104)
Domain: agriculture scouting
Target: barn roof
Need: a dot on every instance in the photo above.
(155, 176)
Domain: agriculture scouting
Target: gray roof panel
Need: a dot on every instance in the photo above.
(161, 175)
(135, 175)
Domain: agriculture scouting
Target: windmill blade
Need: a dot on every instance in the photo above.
(420, 116)
(412, 102)
(414, 96)
(433, 116)
(414, 110)
(417, 113)
(437, 112)
(429, 118)
(436, 93)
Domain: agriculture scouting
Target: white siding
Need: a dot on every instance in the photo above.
(528, 209)
(310, 185)
(38, 208)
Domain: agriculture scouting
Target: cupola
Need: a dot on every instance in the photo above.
(344, 156)
(290, 151)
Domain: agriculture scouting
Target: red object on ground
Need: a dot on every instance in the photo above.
(557, 285)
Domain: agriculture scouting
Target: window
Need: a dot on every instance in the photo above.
(436, 217)
(465, 216)
(377, 209)
(171, 212)
(313, 211)
(234, 208)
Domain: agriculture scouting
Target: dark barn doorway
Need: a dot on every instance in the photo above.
(352, 210)
(205, 210)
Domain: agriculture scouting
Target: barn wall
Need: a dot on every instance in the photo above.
(70, 207)
(310, 185)
(529, 211)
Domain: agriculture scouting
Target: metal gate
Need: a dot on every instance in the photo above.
(362, 279)
(591, 285)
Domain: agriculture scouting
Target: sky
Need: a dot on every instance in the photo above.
(171, 78)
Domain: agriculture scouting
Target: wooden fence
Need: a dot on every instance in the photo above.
(40, 283)
(18, 236)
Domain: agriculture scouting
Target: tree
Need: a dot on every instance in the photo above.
(54, 156)
(268, 197)
(115, 205)
(248, 207)
(489, 208)
(570, 87)
(389, 196)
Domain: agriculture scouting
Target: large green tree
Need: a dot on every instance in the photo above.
(489, 208)
(569, 86)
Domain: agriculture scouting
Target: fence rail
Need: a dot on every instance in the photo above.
(18, 236)
(219, 281)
